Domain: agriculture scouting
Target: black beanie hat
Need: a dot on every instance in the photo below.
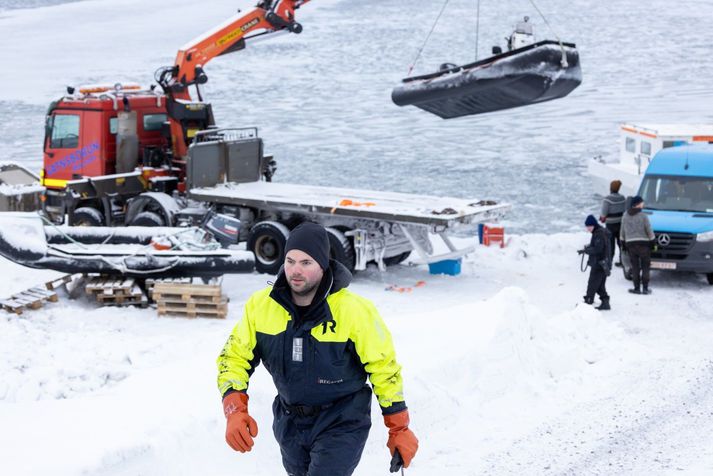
(313, 240)
(590, 221)
(636, 200)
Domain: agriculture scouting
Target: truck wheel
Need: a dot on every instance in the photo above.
(267, 240)
(87, 216)
(709, 276)
(147, 219)
(394, 260)
(341, 248)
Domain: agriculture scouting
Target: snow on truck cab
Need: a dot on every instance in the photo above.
(678, 197)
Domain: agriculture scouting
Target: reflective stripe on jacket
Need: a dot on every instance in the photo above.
(320, 359)
(613, 207)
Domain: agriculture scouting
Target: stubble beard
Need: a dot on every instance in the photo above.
(306, 290)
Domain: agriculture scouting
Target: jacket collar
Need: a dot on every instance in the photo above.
(336, 278)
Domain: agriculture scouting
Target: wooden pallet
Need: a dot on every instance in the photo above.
(190, 300)
(193, 309)
(29, 299)
(59, 282)
(110, 291)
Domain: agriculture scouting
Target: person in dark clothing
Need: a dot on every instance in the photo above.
(613, 207)
(599, 261)
(637, 236)
(319, 342)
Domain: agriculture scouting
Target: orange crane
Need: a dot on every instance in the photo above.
(266, 18)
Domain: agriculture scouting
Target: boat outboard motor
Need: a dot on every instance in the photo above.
(225, 229)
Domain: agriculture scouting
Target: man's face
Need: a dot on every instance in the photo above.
(590, 229)
(302, 271)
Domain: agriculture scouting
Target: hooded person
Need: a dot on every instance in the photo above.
(320, 342)
(599, 261)
(637, 238)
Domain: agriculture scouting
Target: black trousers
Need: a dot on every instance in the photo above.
(597, 283)
(640, 253)
(329, 443)
(614, 229)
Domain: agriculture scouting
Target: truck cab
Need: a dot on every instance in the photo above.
(678, 197)
(119, 132)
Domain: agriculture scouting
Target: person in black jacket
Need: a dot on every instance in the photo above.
(599, 254)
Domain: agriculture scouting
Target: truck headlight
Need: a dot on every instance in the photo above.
(707, 236)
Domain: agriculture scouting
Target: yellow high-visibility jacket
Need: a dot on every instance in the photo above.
(320, 358)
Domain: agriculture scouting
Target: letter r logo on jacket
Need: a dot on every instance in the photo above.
(332, 326)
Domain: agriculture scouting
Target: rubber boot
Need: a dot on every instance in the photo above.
(604, 306)
(636, 290)
(646, 290)
(588, 300)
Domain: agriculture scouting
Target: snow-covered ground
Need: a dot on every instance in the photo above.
(505, 373)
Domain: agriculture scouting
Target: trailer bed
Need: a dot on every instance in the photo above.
(437, 212)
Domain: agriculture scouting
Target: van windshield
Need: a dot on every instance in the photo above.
(665, 192)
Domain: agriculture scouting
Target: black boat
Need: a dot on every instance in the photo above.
(535, 73)
(138, 252)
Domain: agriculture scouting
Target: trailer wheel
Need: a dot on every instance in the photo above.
(341, 248)
(147, 219)
(267, 240)
(87, 216)
(709, 276)
(394, 260)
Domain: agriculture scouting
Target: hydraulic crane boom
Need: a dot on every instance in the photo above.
(185, 117)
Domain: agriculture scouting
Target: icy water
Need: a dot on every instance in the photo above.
(322, 99)
(17, 4)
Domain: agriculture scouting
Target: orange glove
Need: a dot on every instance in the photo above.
(400, 437)
(241, 428)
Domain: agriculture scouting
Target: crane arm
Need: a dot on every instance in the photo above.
(268, 16)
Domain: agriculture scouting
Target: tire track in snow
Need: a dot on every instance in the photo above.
(660, 427)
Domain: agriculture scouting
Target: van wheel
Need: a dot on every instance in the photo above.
(87, 216)
(709, 276)
(267, 240)
(341, 248)
(147, 219)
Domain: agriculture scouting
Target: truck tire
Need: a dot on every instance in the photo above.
(709, 276)
(398, 259)
(87, 216)
(341, 248)
(267, 241)
(147, 219)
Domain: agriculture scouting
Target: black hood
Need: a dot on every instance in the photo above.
(336, 278)
(633, 211)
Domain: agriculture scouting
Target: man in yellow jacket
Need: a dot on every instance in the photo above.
(319, 342)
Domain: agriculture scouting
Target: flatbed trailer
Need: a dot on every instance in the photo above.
(364, 225)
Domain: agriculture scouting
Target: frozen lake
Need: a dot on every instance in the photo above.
(322, 99)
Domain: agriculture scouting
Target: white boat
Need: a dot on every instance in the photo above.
(637, 146)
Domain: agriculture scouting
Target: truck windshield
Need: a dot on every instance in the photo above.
(662, 192)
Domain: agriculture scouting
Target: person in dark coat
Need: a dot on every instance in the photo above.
(319, 341)
(599, 261)
(638, 238)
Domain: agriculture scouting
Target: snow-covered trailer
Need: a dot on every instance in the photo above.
(225, 170)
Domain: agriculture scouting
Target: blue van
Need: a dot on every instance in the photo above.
(678, 197)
